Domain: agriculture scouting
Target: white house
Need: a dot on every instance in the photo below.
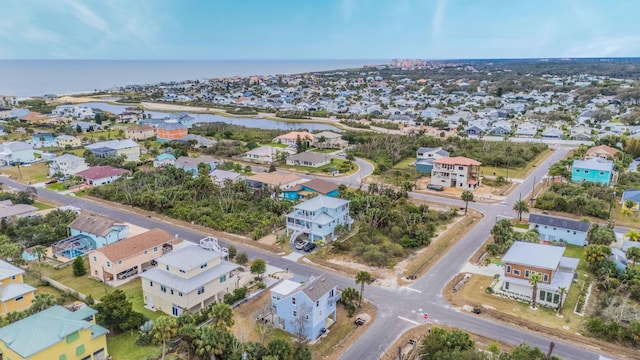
(67, 164)
(16, 152)
(318, 218)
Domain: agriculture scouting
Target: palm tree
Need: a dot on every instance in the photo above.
(164, 329)
(633, 235)
(633, 254)
(466, 197)
(40, 251)
(362, 278)
(349, 295)
(221, 316)
(563, 290)
(534, 279)
(521, 206)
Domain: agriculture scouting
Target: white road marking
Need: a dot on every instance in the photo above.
(408, 288)
(408, 320)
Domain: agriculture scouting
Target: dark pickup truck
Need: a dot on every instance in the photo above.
(435, 187)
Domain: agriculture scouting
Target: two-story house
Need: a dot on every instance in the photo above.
(305, 309)
(170, 131)
(266, 154)
(140, 132)
(457, 172)
(594, 170)
(16, 153)
(552, 228)
(55, 333)
(101, 230)
(291, 138)
(317, 218)
(130, 256)
(524, 259)
(329, 140)
(67, 165)
(127, 147)
(65, 141)
(425, 157)
(15, 295)
(188, 279)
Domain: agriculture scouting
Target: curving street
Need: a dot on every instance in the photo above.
(397, 309)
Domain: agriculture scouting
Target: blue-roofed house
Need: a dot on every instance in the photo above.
(190, 164)
(525, 258)
(630, 196)
(313, 186)
(184, 119)
(55, 333)
(317, 218)
(164, 159)
(43, 139)
(552, 228)
(188, 279)
(501, 128)
(305, 308)
(425, 157)
(593, 170)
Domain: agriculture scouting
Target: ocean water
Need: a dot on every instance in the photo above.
(24, 78)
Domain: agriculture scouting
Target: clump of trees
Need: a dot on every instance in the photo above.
(233, 208)
(577, 198)
(39, 230)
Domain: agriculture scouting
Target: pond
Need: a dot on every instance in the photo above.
(259, 123)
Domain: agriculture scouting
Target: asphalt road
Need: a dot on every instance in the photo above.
(397, 309)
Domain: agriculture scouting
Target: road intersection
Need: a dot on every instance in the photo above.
(401, 308)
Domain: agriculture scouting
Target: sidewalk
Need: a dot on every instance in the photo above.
(490, 270)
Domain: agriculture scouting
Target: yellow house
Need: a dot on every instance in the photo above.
(64, 140)
(14, 294)
(128, 257)
(55, 334)
(190, 278)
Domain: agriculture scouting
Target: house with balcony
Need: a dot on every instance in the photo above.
(457, 172)
(553, 228)
(100, 230)
(128, 257)
(15, 295)
(317, 218)
(16, 153)
(188, 279)
(127, 147)
(291, 138)
(425, 157)
(55, 333)
(594, 171)
(64, 141)
(308, 309)
(170, 131)
(67, 165)
(525, 258)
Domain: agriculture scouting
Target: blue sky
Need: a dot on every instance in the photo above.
(317, 29)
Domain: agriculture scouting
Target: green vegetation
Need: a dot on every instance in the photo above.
(39, 230)
(579, 199)
(387, 225)
(37, 105)
(176, 193)
(343, 166)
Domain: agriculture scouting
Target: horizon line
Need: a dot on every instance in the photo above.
(350, 59)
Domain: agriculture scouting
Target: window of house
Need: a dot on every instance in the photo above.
(108, 264)
(601, 172)
(19, 298)
(201, 290)
(171, 291)
(145, 252)
(203, 266)
(506, 285)
(80, 350)
(516, 272)
(317, 303)
(526, 273)
(293, 300)
(586, 171)
(307, 317)
(180, 293)
(542, 295)
(13, 277)
(295, 313)
(163, 288)
(166, 267)
(223, 278)
(545, 277)
(73, 337)
(155, 249)
(151, 283)
(556, 298)
(119, 262)
(63, 357)
(508, 269)
(95, 258)
(577, 170)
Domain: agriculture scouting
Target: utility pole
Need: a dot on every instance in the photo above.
(533, 192)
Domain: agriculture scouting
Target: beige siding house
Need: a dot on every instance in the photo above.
(128, 257)
(189, 278)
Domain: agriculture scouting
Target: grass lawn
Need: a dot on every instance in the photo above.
(519, 173)
(407, 163)
(59, 186)
(31, 173)
(133, 289)
(324, 151)
(623, 219)
(123, 347)
(42, 206)
(278, 145)
(335, 163)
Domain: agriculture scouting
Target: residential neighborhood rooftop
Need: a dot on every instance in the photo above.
(533, 254)
(136, 244)
(92, 224)
(559, 222)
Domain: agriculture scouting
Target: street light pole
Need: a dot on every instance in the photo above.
(611, 208)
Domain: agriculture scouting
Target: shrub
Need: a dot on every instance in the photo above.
(489, 290)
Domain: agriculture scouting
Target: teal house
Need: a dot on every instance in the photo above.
(594, 170)
(313, 186)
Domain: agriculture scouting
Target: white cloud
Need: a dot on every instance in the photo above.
(347, 8)
(438, 19)
(609, 46)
